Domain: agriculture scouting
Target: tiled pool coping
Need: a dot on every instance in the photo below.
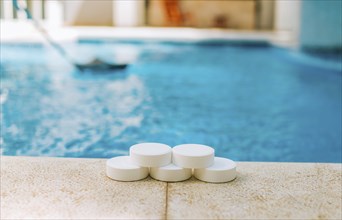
(69, 188)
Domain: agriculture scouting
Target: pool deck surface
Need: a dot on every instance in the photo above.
(66, 188)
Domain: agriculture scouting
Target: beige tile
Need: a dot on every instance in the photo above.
(262, 191)
(62, 188)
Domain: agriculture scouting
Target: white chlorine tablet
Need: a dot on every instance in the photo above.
(193, 156)
(150, 154)
(170, 173)
(223, 170)
(121, 168)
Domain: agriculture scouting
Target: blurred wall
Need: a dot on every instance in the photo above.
(129, 13)
(105, 12)
(214, 13)
(265, 15)
(321, 23)
(287, 15)
(89, 12)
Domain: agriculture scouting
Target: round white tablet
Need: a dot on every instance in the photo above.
(150, 154)
(170, 173)
(193, 156)
(121, 168)
(223, 170)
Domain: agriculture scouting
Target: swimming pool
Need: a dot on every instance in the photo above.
(251, 103)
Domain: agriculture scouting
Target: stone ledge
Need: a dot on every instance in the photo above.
(67, 188)
(263, 191)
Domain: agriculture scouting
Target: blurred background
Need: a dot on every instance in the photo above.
(310, 22)
(258, 80)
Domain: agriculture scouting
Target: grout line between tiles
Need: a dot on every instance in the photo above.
(166, 199)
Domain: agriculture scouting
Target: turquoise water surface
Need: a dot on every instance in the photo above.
(251, 103)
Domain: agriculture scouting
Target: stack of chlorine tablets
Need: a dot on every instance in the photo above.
(171, 164)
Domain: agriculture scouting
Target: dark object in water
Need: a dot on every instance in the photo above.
(97, 64)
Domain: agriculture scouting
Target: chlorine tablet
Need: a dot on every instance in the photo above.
(193, 156)
(150, 154)
(170, 173)
(223, 170)
(121, 168)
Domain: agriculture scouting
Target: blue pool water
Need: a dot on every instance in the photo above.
(251, 103)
